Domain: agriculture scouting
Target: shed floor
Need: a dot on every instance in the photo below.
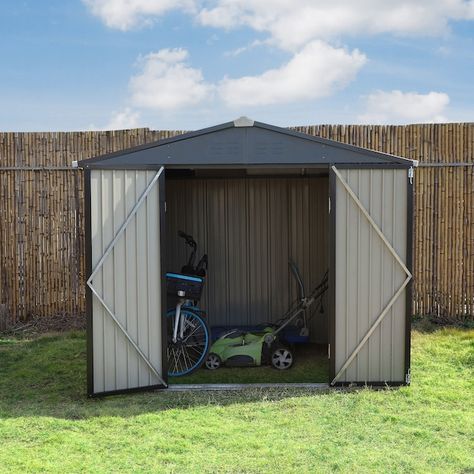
(310, 366)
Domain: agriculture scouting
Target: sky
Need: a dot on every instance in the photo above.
(188, 64)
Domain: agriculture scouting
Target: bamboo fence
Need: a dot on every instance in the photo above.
(42, 225)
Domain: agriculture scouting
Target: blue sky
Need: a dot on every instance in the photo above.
(186, 64)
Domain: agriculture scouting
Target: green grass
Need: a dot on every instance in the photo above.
(48, 425)
(310, 365)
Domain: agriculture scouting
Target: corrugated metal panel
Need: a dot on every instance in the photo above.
(250, 227)
(129, 280)
(367, 274)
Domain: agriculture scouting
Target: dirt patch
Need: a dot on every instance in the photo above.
(42, 324)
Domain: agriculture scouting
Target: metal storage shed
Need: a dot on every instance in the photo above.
(366, 198)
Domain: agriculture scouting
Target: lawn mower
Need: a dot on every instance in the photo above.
(267, 344)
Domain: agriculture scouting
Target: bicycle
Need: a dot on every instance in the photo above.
(187, 329)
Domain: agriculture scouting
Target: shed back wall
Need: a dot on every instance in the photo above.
(250, 228)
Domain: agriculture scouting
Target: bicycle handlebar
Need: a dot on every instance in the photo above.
(201, 268)
(189, 239)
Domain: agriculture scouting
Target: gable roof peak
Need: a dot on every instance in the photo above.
(243, 122)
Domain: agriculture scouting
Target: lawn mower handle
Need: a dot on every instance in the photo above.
(299, 280)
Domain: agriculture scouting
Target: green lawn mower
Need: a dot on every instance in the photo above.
(268, 344)
(239, 348)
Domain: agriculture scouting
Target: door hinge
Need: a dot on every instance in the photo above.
(166, 207)
(411, 174)
(408, 377)
(329, 205)
(329, 351)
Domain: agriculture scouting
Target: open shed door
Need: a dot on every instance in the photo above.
(126, 297)
(371, 263)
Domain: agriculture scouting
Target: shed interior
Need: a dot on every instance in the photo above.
(251, 222)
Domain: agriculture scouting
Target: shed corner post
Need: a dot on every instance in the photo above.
(409, 289)
(332, 274)
(163, 269)
(88, 271)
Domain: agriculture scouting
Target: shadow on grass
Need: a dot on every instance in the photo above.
(46, 377)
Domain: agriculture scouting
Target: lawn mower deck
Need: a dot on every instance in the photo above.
(239, 348)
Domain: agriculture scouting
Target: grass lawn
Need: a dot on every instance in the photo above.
(47, 424)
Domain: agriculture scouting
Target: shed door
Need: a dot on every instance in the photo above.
(370, 274)
(125, 327)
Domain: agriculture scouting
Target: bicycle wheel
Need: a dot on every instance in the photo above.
(189, 352)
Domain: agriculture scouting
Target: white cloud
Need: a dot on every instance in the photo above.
(166, 82)
(404, 107)
(312, 73)
(127, 14)
(124, 119)
(237, 51)
(292, 24)
(120, 120)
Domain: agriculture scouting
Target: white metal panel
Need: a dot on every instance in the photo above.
(126, 281)
(370, 275)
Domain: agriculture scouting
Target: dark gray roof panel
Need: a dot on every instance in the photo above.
(236, 145)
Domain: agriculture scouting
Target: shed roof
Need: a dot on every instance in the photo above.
(241, 143)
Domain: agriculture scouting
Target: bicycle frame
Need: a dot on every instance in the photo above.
(178, 326)
(177, 320)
